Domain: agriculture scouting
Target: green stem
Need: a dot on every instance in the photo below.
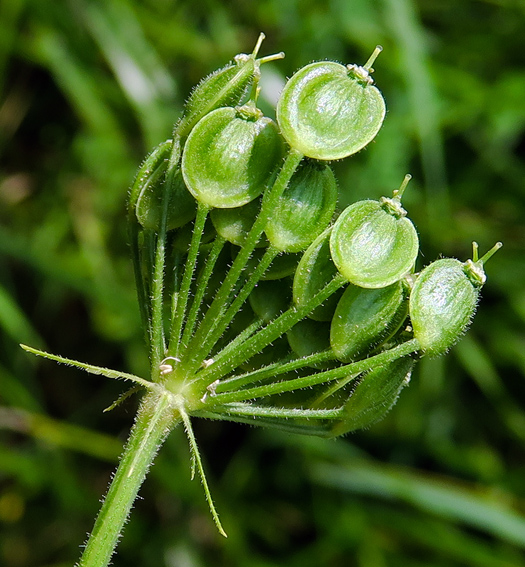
(234, 383)
(272, 331)
(355, 368)
(200, 289)
(221, 324)
(158, 346)
(155, 420)
(253, 410)
(189, 269)
(234, 344)
(220, 303)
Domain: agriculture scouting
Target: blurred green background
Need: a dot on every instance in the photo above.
(86, 89)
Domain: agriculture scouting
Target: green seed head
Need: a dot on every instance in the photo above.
(181, 205)
(230, 157)
(373, 247)
(151, 172)
(234, 224)
(304, 209)
(444, 299)
(226, 87)
(365, 318)
(328, 111)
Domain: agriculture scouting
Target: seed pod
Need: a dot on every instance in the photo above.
(234, 224)
(231, 156)
(226, 87)
(365, 318)
(151, 172)
(304, 209)
(444, 299)
(315, 270)
(308, 337)
(330, 111)
(270, 299)
(374, 395)
(181, 207)
(373, 243)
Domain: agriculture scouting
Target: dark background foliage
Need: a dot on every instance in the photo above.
(86, 89)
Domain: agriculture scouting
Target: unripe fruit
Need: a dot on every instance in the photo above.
(234, 224)
(304, 209)
(151, 172)
(373, 243)
(330, 111)
(225, 87)
(230, 156)
(374, 395)
(181, 207)
(315, 270)
(365, 318)
(270, 299)
(444, 299)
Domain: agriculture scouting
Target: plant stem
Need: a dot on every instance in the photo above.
(221, 324)
(220, 302)
(189, 269)
(156, 418)
(272, 331)
(354, 368)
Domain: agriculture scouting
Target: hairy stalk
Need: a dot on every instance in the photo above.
(220, 325)
(354, 368)
(156, 418)
(219, 304)
(200, 289)
(157, 346)
(180, 312)
(272, 331)
(277, 368)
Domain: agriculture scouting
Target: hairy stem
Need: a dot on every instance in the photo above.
(221, 301)
(156, 418)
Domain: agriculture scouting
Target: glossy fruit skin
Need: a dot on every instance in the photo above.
(304, 209)
(234, 224)
(442, 303)
(365, 318)
(181, 207)
(371, 247)
(228, 159)
(327, 113)
(374, 395)
(315, 270)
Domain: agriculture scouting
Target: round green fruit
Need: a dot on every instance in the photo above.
(230, 156)
(329, 111)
